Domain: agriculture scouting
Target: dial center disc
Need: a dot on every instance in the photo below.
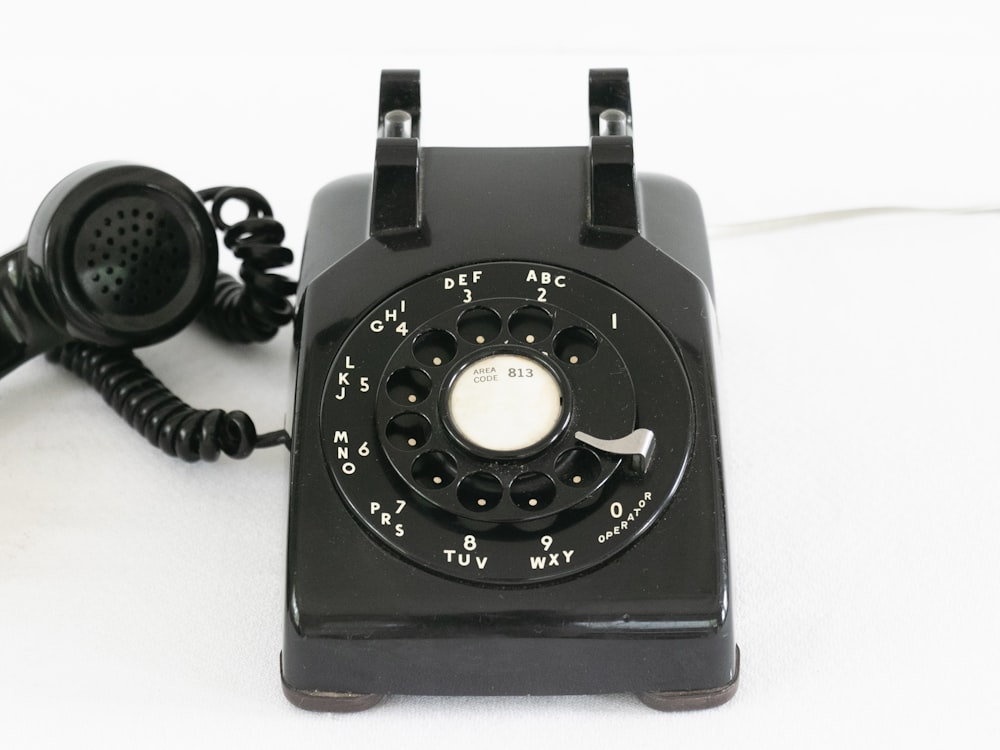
(505, 403)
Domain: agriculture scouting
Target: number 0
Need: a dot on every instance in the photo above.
(616, 509)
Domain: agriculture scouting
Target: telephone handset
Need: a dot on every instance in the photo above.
(506, 474)
(121, 256)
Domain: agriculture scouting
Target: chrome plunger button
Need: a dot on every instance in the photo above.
(505, 404)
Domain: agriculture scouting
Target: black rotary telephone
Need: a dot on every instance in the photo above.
(506, 474)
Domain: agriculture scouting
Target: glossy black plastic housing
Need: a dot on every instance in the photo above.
(656, 617)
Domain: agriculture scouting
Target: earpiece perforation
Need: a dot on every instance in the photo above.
(131, 256)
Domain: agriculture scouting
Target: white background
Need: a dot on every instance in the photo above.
(141, 598)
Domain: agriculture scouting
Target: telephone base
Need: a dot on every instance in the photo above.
(439, 550)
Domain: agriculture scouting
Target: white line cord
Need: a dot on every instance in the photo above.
(778, 224)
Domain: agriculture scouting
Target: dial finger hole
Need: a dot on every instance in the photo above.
(480, 491)
(578, 467)
(435, 348)
(575, 345)
(408, 386)
(479, 325)
(408, 431)
(530, 324)
(532, 491)
(434, 470)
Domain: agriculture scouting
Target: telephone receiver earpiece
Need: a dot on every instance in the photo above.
(119, 255)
